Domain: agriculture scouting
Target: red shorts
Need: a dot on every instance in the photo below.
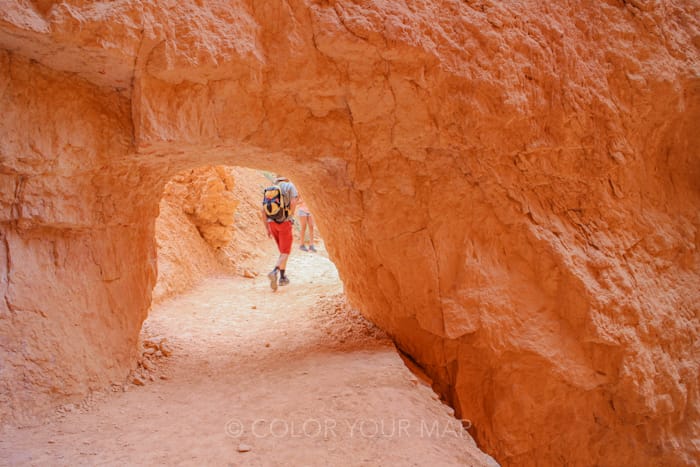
(283, 235)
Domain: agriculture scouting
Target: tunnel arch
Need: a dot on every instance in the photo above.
(492, 190)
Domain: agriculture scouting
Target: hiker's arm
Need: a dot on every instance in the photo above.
(293, 205)
(263, 216)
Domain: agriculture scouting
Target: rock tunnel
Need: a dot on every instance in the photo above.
(510, 190)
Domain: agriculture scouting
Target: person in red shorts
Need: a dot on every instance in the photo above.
(279, 226)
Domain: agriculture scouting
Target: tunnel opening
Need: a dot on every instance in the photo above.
(210, 223)
(209, 228)
(223, 324)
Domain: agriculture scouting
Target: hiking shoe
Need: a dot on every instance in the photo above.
(312, 248)
(303, 248)
(284, 280)
(272, 275)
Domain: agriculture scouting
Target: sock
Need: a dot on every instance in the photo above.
(282, 273)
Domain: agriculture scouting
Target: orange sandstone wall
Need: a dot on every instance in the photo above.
(194, 223)
(221, 203)
(76, 231)
(510, 190)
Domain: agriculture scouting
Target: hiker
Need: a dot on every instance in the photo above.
(305, 219)
(279, 204)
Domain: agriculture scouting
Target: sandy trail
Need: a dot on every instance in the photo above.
(294, 375)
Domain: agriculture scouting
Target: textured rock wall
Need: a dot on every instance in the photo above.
(210, 203)
(77, 257)
(510, 190)
(195, 219)
(225, 203)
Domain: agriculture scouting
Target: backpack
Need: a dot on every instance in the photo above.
(276, 204)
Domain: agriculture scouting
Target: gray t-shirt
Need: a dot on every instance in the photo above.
(289, 191)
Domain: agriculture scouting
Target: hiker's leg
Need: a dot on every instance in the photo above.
(310, 220)
(272, 275)
(285, 243)
(274, 230)
(302, 234)
(282, 261)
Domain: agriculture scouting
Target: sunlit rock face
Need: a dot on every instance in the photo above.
(195, 222)
(77, 263)
(510, 190)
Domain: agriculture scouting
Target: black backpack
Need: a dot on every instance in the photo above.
(276, 204)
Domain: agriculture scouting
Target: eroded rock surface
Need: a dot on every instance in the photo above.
(510, 190)
(195, 220)
(208, 224)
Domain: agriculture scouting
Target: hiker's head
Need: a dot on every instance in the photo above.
(281, 178)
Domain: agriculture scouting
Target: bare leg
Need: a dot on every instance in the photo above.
(282, 261)
(311, 228)
(303, 222)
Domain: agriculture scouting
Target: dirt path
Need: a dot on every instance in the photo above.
(294, 376)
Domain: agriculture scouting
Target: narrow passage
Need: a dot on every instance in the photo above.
(258, 378)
